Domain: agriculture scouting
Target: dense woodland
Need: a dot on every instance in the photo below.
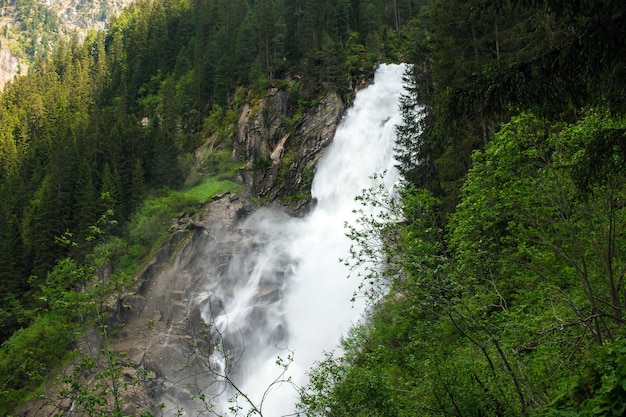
(505, 257)
(505, 254)
(98, 140)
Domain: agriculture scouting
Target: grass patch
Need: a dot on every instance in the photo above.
(212, 187)
(297, 197)
(151, 224)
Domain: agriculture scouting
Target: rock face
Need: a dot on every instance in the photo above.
(281, 149)
(163, 331)
(9, 66)
(167, 326)
(80, 15)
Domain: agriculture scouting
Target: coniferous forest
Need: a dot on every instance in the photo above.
(505, 260)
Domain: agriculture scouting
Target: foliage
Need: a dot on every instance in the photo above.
(29, 354)
(509, 306)
(503, 293)
(72, 300)
(478, 63)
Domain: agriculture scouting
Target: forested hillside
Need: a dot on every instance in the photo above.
(97, 143)
(505, 260)
(505, 256)
(31, 29)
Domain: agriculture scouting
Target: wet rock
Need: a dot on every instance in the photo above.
(279, 166)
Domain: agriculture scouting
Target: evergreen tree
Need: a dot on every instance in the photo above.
(111, 191)
(137, 190)
(12, 268)
(40, 228)
(86, 200)
(246, 48)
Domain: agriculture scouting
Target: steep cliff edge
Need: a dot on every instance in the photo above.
(280, 148)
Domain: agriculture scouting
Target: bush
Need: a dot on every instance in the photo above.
(28, 356)
(599, 390)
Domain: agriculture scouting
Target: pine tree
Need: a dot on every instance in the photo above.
(111, 192)
(86, 200)
(137, 190)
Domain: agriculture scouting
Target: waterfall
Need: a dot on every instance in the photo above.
(288, 292)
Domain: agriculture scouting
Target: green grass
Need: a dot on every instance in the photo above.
(212, 187)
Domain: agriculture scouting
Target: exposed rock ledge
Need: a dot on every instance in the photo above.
(9, 66)
(159, 326)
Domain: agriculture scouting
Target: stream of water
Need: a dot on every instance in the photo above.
(290, 294)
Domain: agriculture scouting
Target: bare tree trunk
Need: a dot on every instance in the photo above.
(497, 41)
(518, 387)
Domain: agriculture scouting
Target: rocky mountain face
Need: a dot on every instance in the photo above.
(31, 28)
(82, 15)
(162, 334)
(280, 159)
(10, 66)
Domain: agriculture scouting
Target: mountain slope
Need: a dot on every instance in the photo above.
(31, 28)
(99, 139)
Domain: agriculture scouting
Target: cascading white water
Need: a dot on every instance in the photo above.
(292, 286)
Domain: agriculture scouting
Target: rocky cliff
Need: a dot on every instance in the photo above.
(281, 147)
(163, 335)
(10, 66)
